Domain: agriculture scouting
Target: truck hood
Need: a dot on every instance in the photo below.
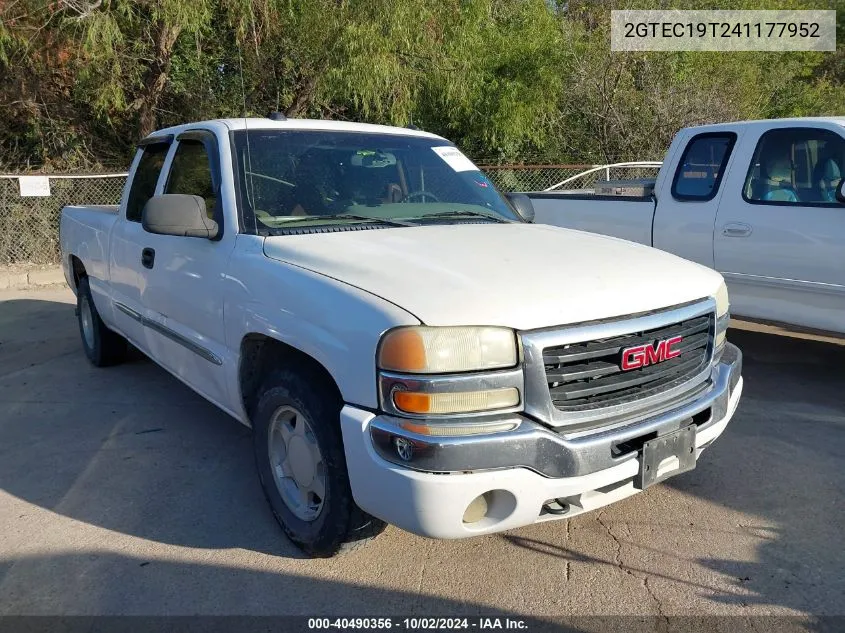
(523, 276)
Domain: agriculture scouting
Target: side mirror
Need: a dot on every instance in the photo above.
(840, 192)
(522, 205)
(178, 214)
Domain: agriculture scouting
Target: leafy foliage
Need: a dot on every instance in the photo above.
(508, 80)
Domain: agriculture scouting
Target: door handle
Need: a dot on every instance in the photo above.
(736, 229)
(148, 257)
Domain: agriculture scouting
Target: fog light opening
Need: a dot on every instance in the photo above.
(489, 509)
(477, 509)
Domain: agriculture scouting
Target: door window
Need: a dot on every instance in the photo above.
(145, 179)
(796, 166)
(190, 173)
(702, 166)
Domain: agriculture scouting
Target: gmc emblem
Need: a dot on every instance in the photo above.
(644, 355)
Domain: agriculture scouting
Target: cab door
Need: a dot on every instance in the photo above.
(780, 230)
(127, 275)
(184, 290)
(689, 198)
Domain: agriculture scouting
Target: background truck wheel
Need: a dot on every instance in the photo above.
(302, 466)
(102, 346)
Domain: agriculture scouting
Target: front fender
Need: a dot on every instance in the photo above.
(336, 324)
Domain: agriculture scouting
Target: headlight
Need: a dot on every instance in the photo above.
(723, 315)
(436, 373)
(444, 350)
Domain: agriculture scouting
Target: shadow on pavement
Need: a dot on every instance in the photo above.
(128, 448)
(782, 460)
(240, 595)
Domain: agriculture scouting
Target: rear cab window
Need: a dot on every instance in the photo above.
(702, 166)
(145, 177)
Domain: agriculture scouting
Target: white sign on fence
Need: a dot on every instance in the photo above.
(34, 186)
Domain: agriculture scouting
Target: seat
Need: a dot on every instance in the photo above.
(777, 182)
(826, 177)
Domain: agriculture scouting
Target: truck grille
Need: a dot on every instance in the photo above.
(588, 375)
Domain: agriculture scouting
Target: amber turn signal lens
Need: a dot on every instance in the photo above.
(458, 402)
(412, 402)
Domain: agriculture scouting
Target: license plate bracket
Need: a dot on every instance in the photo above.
(666, 456)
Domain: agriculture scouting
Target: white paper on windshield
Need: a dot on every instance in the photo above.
(454, 158)
(34, 186)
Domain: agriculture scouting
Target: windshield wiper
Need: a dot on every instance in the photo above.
(465, 214)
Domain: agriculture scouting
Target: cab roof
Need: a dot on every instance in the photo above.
(225, 125)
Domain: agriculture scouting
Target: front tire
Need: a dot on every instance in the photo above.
(302, 466)
(102, 346)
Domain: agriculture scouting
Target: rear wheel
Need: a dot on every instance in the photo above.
(102, 346)
(302, 466)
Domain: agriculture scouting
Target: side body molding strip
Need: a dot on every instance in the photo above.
(172, 335)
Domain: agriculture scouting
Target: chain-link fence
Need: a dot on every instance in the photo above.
(544, 177)
(30, 211)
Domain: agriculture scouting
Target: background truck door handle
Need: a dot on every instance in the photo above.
(736, 229)
(148, 257)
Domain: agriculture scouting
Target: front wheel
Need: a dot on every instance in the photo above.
(302, 466)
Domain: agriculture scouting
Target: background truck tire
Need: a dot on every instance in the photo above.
(102, 346)
(339, 525)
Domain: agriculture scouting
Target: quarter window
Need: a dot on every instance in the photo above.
(796, 166)
(144, 181)
(190, 173)
(702, 166)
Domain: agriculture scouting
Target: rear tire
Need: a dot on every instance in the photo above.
(102, 346)
(308, 486)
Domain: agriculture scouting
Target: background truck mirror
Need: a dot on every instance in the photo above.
(840, 192)
(522, 205)
(178, 214)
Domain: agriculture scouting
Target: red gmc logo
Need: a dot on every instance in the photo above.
(644, 355)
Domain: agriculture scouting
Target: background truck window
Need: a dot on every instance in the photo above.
(702, 166)
(145, 179)
(796, 166)
(190, 173)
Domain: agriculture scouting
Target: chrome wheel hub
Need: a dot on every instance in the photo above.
(87, 322)
(296, 462)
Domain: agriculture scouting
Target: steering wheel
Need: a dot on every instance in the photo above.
(422, 194)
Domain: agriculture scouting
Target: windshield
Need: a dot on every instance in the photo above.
(296, 179)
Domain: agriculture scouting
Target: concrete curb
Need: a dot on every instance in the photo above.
(34, 278)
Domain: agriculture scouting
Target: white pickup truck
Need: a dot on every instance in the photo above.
(762, 202)
(406, 346)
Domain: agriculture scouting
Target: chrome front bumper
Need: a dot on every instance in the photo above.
(556, 454)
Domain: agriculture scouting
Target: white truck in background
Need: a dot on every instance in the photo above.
(405, 345)
(762, 202)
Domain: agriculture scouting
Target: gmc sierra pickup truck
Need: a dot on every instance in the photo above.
(405, 344)
(762, 202)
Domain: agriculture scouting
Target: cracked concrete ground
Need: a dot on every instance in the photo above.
(123, 492)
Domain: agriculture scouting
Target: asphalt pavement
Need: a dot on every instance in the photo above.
(123, 492)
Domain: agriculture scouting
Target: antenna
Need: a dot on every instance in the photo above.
(251, 196)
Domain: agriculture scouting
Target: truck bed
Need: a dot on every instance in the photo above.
(85, 230)
(626, 217)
